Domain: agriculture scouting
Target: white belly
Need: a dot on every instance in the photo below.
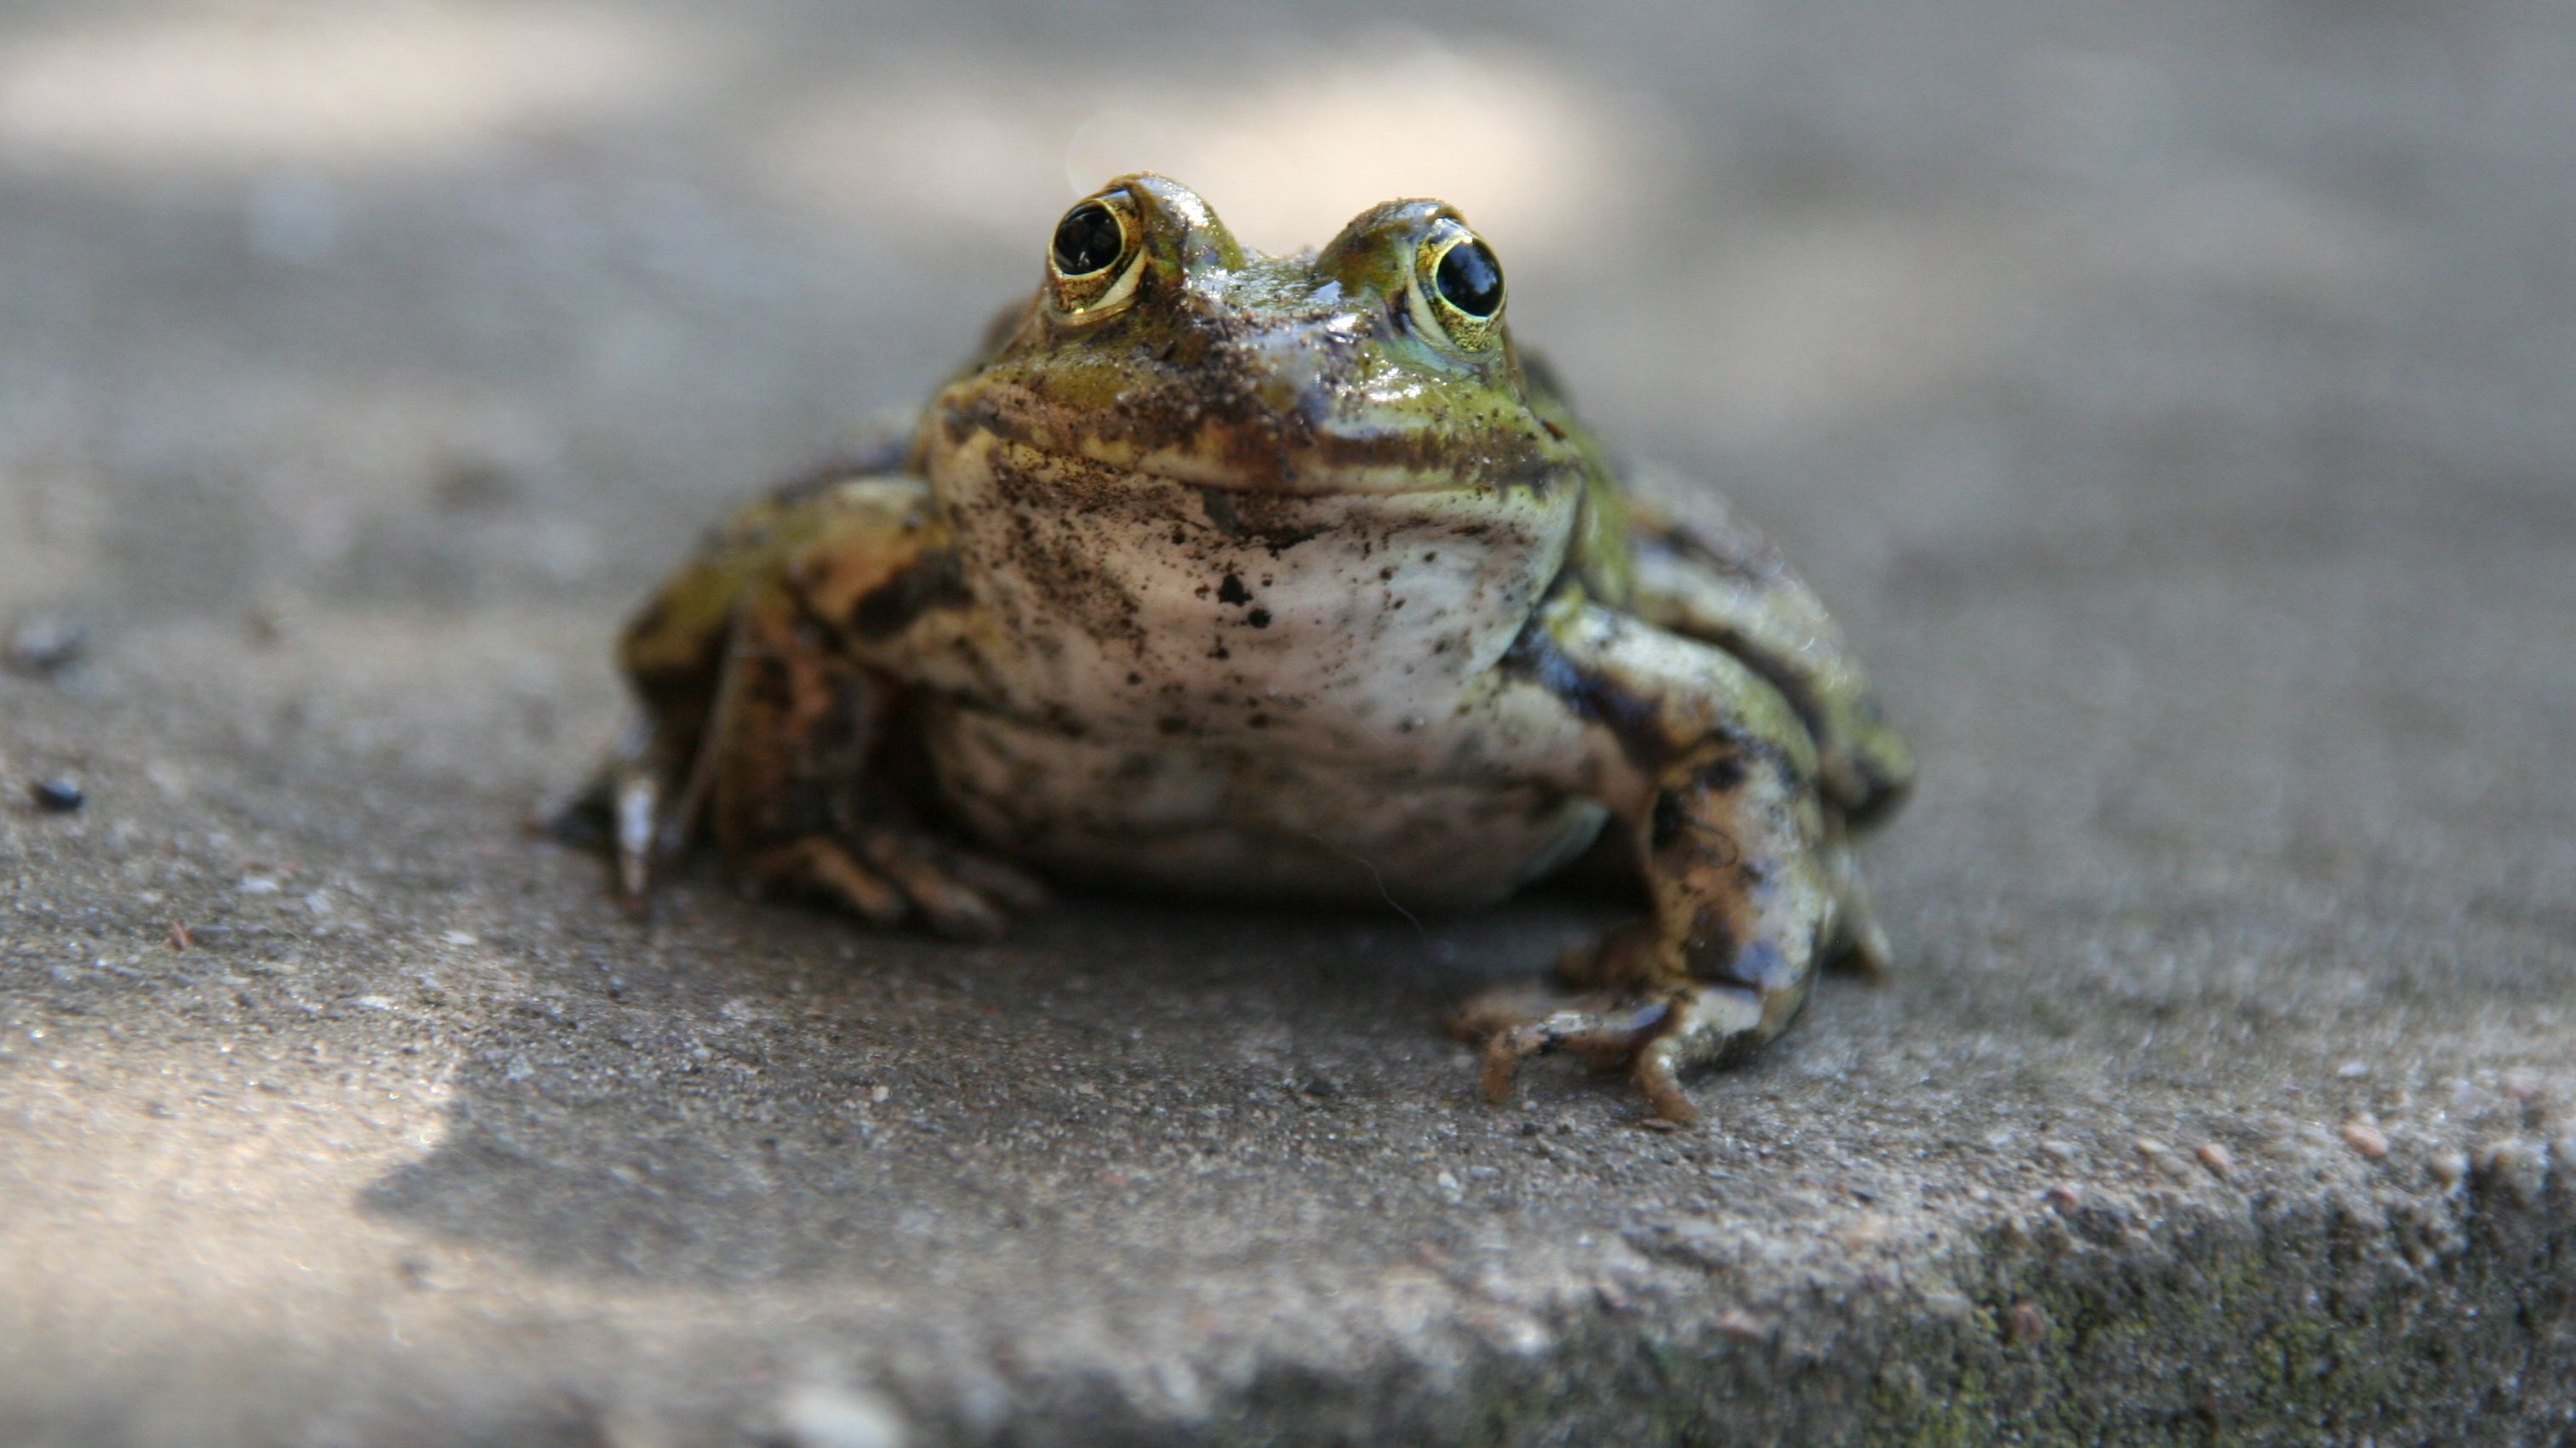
(1341, 624)
(1254, 694)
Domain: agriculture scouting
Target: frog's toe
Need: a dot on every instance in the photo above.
(999, 880)
(890, 876)
(1656, 1037)
(1607, 1029)
(958, 892)
(948, 905)
(818, 866)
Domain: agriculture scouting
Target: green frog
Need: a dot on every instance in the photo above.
(1272, 578)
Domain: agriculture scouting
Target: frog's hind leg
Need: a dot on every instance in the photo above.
(1733, 842)
(802, 779)
(1723, 583)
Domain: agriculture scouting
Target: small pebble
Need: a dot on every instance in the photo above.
(57, 795)
(2365, 1138)
(2220, 1161)
(2025, 1324)
(2162, 1158)
(2064, 1198)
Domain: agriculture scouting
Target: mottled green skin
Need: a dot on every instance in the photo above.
(1273, 577)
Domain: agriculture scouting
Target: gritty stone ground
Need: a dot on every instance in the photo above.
(2175, 402)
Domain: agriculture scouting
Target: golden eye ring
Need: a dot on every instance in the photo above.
(1458, 287)
(1096, 255)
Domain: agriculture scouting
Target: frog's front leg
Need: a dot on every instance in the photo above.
(803, 776)
(1714, 779)
(777, 718)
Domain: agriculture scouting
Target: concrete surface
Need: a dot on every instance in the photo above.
(2175, 401)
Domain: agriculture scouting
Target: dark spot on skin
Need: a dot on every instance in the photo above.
(1134, 678)
(1709, 950)
(935, 580)
(1233, 591)
(1779, 675)
(1172, 724)
(1219, 652)
(1677, 823)
(1386, 575)
(1667, 822)
(1721, 774)
(1629, 717)
(1242, 518)
(1258, 721)
(1258, 618)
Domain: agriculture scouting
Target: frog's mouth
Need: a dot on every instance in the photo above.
(1279, 454)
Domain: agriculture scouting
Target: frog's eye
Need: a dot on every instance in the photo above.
(1092, 263)
(1458, 287)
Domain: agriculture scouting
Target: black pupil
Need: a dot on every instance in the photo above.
(1469, 279)
(1087, 240)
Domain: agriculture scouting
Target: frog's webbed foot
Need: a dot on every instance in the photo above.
(892, 875)
(1622, 1008)
(1654, 1037)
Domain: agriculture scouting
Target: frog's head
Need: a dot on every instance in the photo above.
(1160, 345)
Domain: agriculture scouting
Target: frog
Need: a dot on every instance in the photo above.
(1279, 578)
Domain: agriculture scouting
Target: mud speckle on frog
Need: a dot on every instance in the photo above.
(1271, 577)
